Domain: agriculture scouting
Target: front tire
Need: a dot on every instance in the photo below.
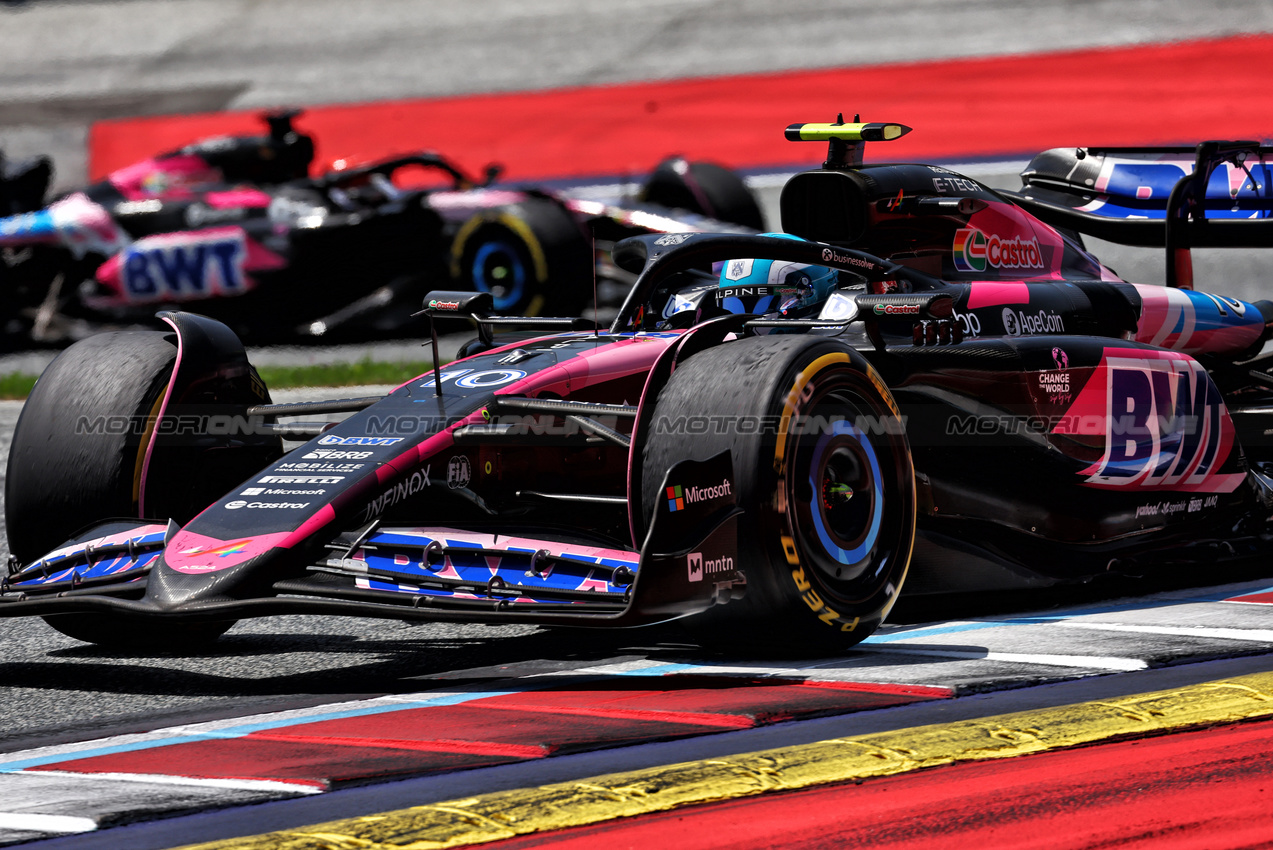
(823, 470)
(79, 451)
(533, 257)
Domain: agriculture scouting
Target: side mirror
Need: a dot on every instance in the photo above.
(448, 303)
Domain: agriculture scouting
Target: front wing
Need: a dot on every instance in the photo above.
(686, 565)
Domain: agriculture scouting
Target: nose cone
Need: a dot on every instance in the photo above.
(194, 568)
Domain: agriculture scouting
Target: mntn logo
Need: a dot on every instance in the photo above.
(698, 567)
(675, 499)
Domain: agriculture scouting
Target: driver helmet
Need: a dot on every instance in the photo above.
(774, 287)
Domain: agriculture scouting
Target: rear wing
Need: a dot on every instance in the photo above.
(1219, 194)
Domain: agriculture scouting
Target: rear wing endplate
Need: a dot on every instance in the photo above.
(1185, 223)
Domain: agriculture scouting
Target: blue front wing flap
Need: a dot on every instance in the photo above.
(448, 563)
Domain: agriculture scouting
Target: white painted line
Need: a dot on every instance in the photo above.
(811, 672)
(1256, 635)
(161, 779)
(1264, 605)
(45, 823)
(1080, 661)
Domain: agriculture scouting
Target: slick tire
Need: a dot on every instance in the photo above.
(704, 188)
(532, 256)
(823, 471)
(77, 457)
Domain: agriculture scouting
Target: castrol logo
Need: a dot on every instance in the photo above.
(974, 251)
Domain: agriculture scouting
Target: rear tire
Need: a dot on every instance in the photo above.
(829, 495)
(533, 257)
(704, 188)
(77, 457)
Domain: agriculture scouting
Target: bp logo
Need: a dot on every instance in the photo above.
(675, 499)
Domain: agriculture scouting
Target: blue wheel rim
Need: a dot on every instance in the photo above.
(498, 269)
(849, 557)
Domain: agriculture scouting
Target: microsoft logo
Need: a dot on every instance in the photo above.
(675, 499)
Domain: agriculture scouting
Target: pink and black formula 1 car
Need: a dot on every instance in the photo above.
(921, 387)
(234, 228)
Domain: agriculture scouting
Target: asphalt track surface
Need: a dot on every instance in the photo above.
(62, 64)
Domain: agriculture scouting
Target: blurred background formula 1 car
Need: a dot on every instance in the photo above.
(919, 385)
(233, 228)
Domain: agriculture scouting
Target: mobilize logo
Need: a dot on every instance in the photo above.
(699, 567)
(315, 468)
(678, 496)
(973, 251)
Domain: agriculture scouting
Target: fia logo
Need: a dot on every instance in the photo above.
(458, 472)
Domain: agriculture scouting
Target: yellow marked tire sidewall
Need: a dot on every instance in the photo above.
(539, 260)
(152, 420)
(801, 577)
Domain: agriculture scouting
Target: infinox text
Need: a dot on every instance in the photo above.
(409, 486)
